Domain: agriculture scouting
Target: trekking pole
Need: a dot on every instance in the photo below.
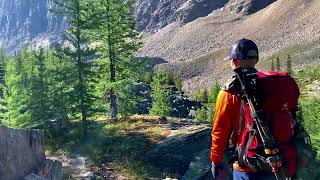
(266, 137)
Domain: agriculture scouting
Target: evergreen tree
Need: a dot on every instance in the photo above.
(289, 65)
(205, 96)
(113, 29)
(272, 65)
(61, 75)
(16, 92)
(76, 12)
(178, 82)
(38, 89)
(278, 66)
(3, 60)
(202, 95)
(214, 93)
(39, 86)
(160, 95)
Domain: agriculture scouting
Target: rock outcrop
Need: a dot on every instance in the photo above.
(22, 155)
(177, 151)
(247, 6)
(26, 21)
(155, 14)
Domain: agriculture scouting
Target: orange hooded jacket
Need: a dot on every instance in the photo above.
(225, 124)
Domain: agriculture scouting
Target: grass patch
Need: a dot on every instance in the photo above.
(121, 144)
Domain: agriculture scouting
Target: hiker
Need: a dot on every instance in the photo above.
(233, 121)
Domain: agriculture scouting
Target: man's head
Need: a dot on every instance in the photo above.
(244, 53)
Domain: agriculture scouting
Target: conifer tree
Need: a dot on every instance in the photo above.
(272, 65)
(38, 88)
(178, 82)
(113, 29)
(214, 93)
(3, 60)
(62, 73)
(289, 65)
(202, 96)
(76, 12)
(278, 66)
(205, 96)
(16, 92)
(160, 95)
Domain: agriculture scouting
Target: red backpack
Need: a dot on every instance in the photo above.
(278, 96)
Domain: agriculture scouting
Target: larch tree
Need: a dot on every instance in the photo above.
(3, 60)
(78, 48)
(272, 65)
(113, 30)
(289, 65)
(278, 65)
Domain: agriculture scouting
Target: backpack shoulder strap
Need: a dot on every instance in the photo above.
(232, 85)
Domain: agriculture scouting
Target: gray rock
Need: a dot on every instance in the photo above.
(50, 170)
(154, 14)
(199, 166)
(22, 153)
(247, 6)
(175, 153)
(34, 177)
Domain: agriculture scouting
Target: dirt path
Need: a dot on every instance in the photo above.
(77, 167)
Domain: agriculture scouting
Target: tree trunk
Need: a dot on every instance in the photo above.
(80, 74)
(113, 105)
(113, 96)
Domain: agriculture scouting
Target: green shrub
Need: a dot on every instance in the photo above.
(178, 82)
(202, 96)
(202, 114)
(214, 93)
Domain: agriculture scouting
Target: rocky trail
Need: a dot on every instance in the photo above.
(79, 167)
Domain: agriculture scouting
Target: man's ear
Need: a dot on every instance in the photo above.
(234, 64)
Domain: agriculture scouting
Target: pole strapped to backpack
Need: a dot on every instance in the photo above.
(269, 144)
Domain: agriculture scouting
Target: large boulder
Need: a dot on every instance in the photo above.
(22, 153)
(175, 153)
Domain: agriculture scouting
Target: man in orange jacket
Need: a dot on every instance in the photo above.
(244, 53)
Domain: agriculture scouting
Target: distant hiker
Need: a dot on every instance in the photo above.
(256, 110)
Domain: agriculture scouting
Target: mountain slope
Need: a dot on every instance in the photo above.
(281, 24)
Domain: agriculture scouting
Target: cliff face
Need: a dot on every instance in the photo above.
(155, 14)
(24, 21)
